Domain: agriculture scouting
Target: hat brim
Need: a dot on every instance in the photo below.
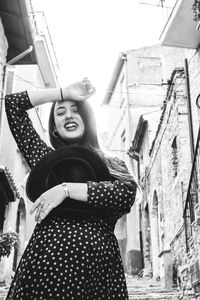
(67, 164)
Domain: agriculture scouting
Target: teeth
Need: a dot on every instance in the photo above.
(70, 125)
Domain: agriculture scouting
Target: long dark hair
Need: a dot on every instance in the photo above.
(89, 138)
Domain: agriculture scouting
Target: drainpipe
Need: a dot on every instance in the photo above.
(124, 57)
(191, 131)
(191, 136)
(136, 157)
(21, 55)
(10, 62)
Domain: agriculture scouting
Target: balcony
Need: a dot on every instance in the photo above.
(180, 29)
(15, 20)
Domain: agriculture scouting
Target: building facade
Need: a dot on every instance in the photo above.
(164, 181)
(28, 68)
(136, 90)
(154, 95)
(182, 30)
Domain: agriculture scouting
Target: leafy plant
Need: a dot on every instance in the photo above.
(7, 241)
(196, 10)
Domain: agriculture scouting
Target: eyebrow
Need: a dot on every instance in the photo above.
(63, 107)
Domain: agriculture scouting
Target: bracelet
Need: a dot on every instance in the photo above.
(66, 189)
(61, 94)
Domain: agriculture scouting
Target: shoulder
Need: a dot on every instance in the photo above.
(113, 162)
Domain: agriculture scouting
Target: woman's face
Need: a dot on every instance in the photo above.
(68, 121)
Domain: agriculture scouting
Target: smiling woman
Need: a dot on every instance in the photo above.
(72, 254)
(68, 122)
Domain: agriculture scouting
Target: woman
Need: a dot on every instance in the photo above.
(69, 257)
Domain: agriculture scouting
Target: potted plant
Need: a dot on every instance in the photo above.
(7, 241)
(196, 10)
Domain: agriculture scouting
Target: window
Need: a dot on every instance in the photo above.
(122, 91)
(149, 70)
(175, 157)
(195, 274)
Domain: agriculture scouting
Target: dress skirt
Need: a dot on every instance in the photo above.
(70, 258)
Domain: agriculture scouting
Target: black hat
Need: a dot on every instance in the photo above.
(67, 164)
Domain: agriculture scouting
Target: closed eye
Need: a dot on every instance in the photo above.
(60, 111)
(75, 109)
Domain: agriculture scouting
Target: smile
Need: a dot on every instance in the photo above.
(71, 126)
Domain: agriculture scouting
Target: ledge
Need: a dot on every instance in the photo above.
(164, 252)
(180, 29)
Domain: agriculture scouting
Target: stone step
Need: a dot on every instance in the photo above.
(150, 297)
(149, 294)
(148, 289)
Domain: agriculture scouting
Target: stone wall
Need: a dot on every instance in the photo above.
(167, 179)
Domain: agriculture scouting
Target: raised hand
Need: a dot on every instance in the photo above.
(79, 91)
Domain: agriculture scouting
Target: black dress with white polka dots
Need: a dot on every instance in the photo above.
(73, 256)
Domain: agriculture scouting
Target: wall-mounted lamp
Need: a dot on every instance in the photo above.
(198, 101)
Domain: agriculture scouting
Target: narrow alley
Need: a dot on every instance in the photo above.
(138, 288)
(147, 289)
(149, 199)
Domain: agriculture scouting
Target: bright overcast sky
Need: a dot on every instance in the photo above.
(88, 36)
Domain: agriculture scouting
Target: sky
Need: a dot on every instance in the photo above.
(89, 35)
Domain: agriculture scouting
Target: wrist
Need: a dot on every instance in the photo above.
(65, 189)
(64, 93)
(61, 95)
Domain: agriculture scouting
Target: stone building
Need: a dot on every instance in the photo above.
(182, 30)
(161, 146)
(136, 90)
(164, 180)
(168, 165)
(26, 63)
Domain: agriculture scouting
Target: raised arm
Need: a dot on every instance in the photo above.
(28, 140)
(78, 91)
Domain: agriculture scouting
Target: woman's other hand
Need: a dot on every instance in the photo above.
(48, 201)
(79, 91)
(55, 196)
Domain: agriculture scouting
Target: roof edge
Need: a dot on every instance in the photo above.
(114, 78)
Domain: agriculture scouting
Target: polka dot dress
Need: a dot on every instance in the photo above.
(73, 256)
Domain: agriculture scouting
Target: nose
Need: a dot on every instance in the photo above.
(69, 114)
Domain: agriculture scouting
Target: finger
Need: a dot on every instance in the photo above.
(89, 91)
(35, 205)
(92, 90)
(85, 79)
(87, 84)
(37, 214)
(40, 210)
(46, 212)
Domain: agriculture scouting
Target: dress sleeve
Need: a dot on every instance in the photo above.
(28, 140)
(115, 196)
